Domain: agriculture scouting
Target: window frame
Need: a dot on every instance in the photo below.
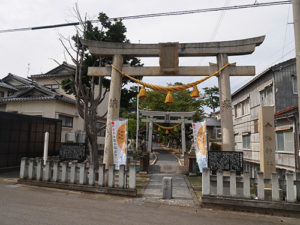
(249, 142)
(284, 144)
(63, 122)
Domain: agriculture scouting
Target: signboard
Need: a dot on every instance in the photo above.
(200, 142)
(72, 151)
(119, 138)
(223, 160)
(167, 117)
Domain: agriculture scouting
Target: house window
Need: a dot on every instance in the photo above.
(246, 141)
(285, 141)
(67, 121)
(52, 86)
(101, 133)
(294, 84)
(266, 96)
(1, 94)
(242, 108)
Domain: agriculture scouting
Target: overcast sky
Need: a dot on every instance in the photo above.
(31, 52)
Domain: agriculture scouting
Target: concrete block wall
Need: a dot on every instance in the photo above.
(229, 184)
(77, 173)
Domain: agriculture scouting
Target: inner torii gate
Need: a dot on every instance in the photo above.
(169, 53)
(167, 119)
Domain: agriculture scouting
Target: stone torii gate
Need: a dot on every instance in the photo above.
(169, 53)
(167, 119)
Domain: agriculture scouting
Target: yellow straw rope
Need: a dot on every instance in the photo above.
(166, 128)
(170, 88)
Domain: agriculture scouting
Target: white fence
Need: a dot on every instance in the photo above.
(77, 174)
(240, 186)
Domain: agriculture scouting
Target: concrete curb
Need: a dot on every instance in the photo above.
(78, 187)
(155, 160)
(193, 194)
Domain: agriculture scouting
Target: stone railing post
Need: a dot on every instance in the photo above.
(275, 187)
(82, 173)
(260, 186)
(232, 183)
(297, 183)
(55, 171)
(23, 168)
(122, 176)
(64, 172)
(73, 172)
(39, 169)
(101, 175)
(91, 175)
(111, 176)
(246, 184)
(132, 176)
(290, 192)
(31, 169)
(205, 181)
(219, 182)
(47, 172)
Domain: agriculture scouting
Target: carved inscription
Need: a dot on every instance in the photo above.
(72, 152)
(168, 57)
(220, 161)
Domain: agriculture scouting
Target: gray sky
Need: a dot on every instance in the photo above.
(31, 52)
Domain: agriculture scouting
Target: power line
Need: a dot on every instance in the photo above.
(176, 13)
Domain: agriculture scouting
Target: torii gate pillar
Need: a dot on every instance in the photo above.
(113, 109)
(225, 105)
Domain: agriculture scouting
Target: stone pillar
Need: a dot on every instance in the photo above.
(260, 186)
(111, 176)
(91, 175)
(47, 172)
(23, 168)
(122, 176)
(225, 105)
(246, 184)
(267, 140)
(167, 187)
(205, 181)
(290, 192)
(232, 183)
(55, 171)
(64, 172)
(219, 182)
(275, 187)
(101, 175)
(183, 144)
(149, 147)
(31, 169)
(73, 173)
(39, 169)
(113, 108)
(132, 176)
(82, 173)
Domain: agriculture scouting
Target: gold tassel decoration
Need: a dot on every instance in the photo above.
(167, 131)
(195, 92)
(169, 98)
(143, 93)
(158, 128)
(175, 129)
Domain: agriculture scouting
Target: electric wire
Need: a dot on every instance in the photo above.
(142, 16)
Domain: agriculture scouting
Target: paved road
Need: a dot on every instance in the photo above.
(26, 205)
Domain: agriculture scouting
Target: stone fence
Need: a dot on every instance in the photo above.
(239, 186)
(229, 191)
(78, 176)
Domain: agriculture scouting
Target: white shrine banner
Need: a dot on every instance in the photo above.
(119, 139)
(200, 143)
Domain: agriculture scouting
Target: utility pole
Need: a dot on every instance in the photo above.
(296, 12)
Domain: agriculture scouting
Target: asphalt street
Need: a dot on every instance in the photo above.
(27, 205)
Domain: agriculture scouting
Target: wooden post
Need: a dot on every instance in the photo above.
(225, 105)
(113, 108)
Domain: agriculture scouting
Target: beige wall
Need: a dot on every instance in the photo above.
(4, 90)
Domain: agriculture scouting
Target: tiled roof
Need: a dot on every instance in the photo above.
(7, 86)
(56, 72)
